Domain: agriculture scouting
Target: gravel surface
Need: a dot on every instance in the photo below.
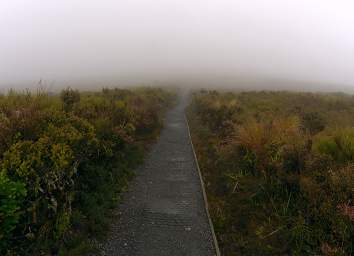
(163, 212)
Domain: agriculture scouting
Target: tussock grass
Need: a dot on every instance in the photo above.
(279, 170)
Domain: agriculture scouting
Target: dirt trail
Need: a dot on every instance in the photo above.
(163, 213)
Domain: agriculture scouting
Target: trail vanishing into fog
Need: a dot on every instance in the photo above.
(163, 213)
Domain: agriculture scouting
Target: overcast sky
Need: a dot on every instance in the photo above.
(161, 39)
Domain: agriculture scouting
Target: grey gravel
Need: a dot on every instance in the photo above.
(163, 212)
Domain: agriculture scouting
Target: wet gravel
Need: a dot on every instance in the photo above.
(163, 212)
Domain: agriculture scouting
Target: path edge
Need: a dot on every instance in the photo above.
(205, 199)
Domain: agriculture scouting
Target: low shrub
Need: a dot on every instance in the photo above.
(279, 175)
(65, 159)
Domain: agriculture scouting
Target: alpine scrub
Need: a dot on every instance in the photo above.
(64, 160)
(279, 170)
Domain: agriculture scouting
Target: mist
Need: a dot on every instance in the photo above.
(253, 44)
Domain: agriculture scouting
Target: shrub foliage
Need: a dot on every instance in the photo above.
(64, 158)
(279, 170)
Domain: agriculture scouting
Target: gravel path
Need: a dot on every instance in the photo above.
(163, 213)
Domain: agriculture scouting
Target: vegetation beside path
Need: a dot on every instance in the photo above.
(65, 158)
(279, 170)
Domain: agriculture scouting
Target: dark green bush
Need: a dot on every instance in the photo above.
(69, 97)
(12, 195)
(312, 122)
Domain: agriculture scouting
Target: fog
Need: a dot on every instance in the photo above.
(274, 44)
